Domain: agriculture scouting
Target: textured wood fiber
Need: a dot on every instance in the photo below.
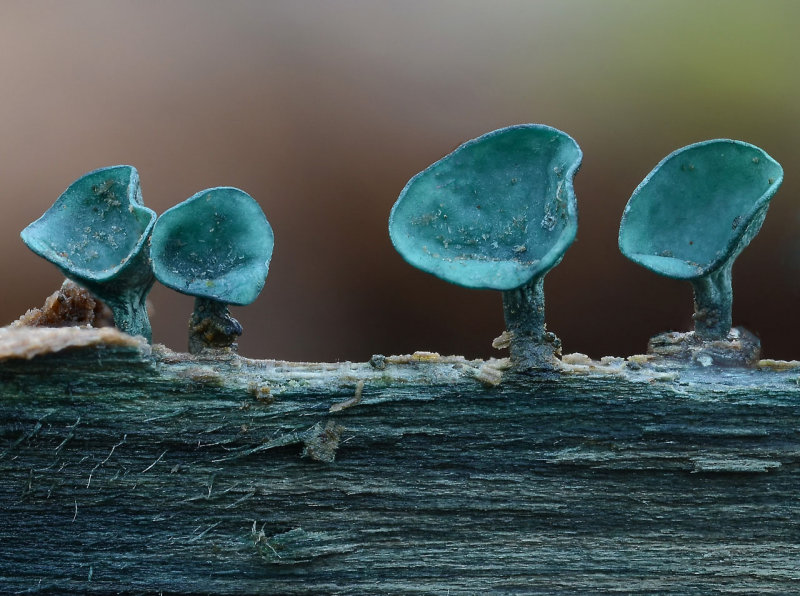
(120, 472)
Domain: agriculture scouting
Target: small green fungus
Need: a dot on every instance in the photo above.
(497, 213)
(694, 214)
(96, 233)
(215, 246)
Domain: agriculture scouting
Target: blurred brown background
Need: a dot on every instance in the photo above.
(323, 110)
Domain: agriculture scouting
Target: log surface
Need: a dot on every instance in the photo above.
(124, 470)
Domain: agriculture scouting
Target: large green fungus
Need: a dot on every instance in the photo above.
(215, 246)
(497, 213)
(96, 234)
(694, 214)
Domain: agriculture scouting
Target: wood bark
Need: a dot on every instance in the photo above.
(126, 469)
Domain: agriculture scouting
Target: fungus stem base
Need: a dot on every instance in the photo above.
(713, 299)
(130, 316)
(532, 347)
(211, 326)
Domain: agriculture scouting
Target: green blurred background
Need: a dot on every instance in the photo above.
(323, 110)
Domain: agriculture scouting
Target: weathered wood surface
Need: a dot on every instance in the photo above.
(123, 471)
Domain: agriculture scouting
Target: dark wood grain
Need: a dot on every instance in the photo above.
(122, 472)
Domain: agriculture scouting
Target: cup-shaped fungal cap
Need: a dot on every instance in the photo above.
(216, 244)
(699, 208)
(95, 228)
(495, 213)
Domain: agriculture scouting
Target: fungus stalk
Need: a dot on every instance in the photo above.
(713, 298)
(532, 347)
(212, 326)
(126, 296)
(130, 316)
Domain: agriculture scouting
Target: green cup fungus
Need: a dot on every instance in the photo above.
(96, 234)
(497, 213)
(215, 246)
(694, 214)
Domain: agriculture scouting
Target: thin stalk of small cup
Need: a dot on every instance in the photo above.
(532, 346)
(212, 326)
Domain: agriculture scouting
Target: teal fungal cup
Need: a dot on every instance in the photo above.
(497, 213)
(96, 234)
(215, 246)
(694, 214)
